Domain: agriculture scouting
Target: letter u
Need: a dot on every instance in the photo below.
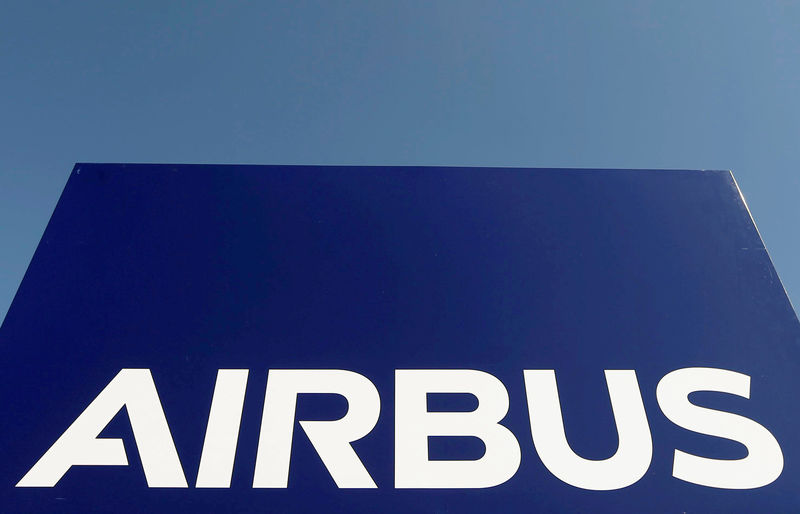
(635, 450)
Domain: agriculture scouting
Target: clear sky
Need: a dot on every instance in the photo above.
(638, 84)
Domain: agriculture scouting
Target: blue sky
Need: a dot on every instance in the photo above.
(640, 84)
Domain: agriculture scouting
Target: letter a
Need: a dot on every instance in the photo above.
(79, 445)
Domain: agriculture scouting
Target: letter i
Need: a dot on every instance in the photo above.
(222, 433)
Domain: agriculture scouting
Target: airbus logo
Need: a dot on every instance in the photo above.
(135, 390)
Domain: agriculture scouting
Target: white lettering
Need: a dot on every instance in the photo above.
(764, 461)
(414, 424)
(331, 439)
(79, 445)
(635, 450)
(222, 433)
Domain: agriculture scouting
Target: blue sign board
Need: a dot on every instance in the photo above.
(399, 339)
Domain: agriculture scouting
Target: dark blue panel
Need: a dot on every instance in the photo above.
(188, 269)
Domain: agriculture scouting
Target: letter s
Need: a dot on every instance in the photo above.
(764, 461)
